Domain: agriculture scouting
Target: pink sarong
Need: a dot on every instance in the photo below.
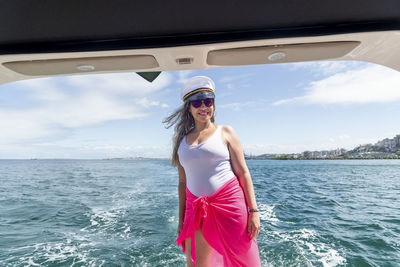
(222, 218)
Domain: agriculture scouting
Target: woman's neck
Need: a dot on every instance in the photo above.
(203, 126)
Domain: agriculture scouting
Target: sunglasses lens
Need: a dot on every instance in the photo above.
(208, 102)
(196, 104)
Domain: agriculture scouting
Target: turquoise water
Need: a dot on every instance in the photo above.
(124, 213)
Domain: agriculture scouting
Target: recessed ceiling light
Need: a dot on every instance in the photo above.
(277, 56)
(85, 67)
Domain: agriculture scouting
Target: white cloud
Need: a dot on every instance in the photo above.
(144, 102)
(234, 78)
(341, 141)
(371, 84)
(114, 84)
(64, 103)
(341, 138)
(232, 81)
(237, 106)
(183, 75)
(326, 67)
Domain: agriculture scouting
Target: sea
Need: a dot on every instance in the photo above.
(58, 212)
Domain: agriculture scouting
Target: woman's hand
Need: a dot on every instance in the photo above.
(253, 225)
(180, 225)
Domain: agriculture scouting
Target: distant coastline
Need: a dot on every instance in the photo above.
(291, 157)
(388, 148)
(135, 158)
(384, 149)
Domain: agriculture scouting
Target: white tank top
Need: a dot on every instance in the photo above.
(207, 165)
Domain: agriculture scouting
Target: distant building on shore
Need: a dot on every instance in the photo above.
(385, 145)
(386, 148)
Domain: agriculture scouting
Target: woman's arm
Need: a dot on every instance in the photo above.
(182, 196)
(240, 169)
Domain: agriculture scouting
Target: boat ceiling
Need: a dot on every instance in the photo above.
(45, 26)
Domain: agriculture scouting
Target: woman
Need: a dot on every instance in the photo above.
(218, 215)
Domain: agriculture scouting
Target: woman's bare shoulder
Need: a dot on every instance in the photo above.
(228, 133)
(227, 129)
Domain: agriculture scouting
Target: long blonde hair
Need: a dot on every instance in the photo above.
(184, 123)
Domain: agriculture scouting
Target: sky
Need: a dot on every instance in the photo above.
(274, 108)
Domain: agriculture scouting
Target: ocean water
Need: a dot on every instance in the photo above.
(124, 213)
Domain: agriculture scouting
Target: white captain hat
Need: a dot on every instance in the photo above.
(198, 87)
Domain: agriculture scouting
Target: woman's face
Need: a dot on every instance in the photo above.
(203, 113)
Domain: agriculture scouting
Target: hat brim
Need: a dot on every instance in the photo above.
(201, 95)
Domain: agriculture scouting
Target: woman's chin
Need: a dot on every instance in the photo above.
(203, 119)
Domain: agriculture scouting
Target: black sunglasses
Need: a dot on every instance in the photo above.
(208, 102)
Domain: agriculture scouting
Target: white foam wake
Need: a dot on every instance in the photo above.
(267, 213)
(311, 247)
